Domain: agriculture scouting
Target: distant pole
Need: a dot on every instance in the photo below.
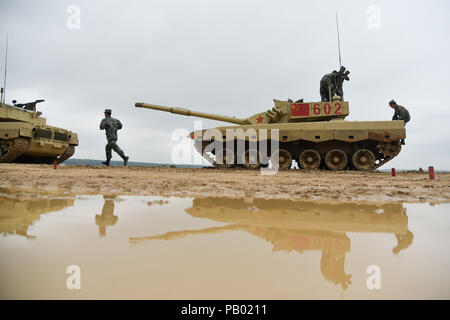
(339, 41)
(6, 64)
(431, 172)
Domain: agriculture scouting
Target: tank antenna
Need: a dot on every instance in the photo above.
(6, 67)
(339, 42)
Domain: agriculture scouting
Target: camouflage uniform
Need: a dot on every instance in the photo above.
(341, 76)
(327, 80)
(111, 125)
(401, 113)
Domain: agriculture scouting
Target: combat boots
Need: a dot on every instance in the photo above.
(125, 159)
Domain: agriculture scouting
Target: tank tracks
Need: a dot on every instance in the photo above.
(66, 154)
(389, 150)
(10, 150)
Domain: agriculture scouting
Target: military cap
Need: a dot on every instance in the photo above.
(392, 102)
(108, 111)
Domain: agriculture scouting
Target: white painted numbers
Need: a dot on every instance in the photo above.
(74, 280)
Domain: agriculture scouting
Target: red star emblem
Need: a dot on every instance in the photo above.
(259, 119)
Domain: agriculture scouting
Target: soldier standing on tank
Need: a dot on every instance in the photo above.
(111, 125)
(401, 113)
(342, 75)
(328, 81)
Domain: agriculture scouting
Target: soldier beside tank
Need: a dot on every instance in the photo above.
(401, 113)
(328, 85)
(111, 125)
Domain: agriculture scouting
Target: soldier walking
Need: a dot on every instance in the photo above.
(328, 81)
(401, 113)
(111, 125)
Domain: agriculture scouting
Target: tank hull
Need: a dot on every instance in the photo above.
(26, 138)
(380, 141)
(314, 134)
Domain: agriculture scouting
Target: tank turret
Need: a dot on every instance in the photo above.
(25, 136)
(282, 112)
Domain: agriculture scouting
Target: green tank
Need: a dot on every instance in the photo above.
(25, 136)
(314, 134)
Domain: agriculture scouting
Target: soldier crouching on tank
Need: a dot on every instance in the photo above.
(327, 83)
(401, 113)
(111, 125)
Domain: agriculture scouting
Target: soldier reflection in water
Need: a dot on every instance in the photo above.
(107, 218)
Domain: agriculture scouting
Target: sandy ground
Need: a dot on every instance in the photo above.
(180, 182)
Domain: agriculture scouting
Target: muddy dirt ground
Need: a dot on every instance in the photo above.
(181, 182)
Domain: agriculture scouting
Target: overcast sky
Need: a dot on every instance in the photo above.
(229, 57)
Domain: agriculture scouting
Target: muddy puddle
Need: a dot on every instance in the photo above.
(135, 247)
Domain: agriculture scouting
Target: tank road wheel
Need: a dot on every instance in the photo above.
(281, 159)
(251, 160)
(225, 158)
(336, 159)
(363, 159)
(309, 159)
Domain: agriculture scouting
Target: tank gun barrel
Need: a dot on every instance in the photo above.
(187, 112)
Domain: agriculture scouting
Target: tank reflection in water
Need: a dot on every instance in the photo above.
(219, 248)
(301, 226)
(16, 215)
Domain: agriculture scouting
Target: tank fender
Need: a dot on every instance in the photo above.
(26, 132)
(11, 130)
(73, 140)
(6, 134)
